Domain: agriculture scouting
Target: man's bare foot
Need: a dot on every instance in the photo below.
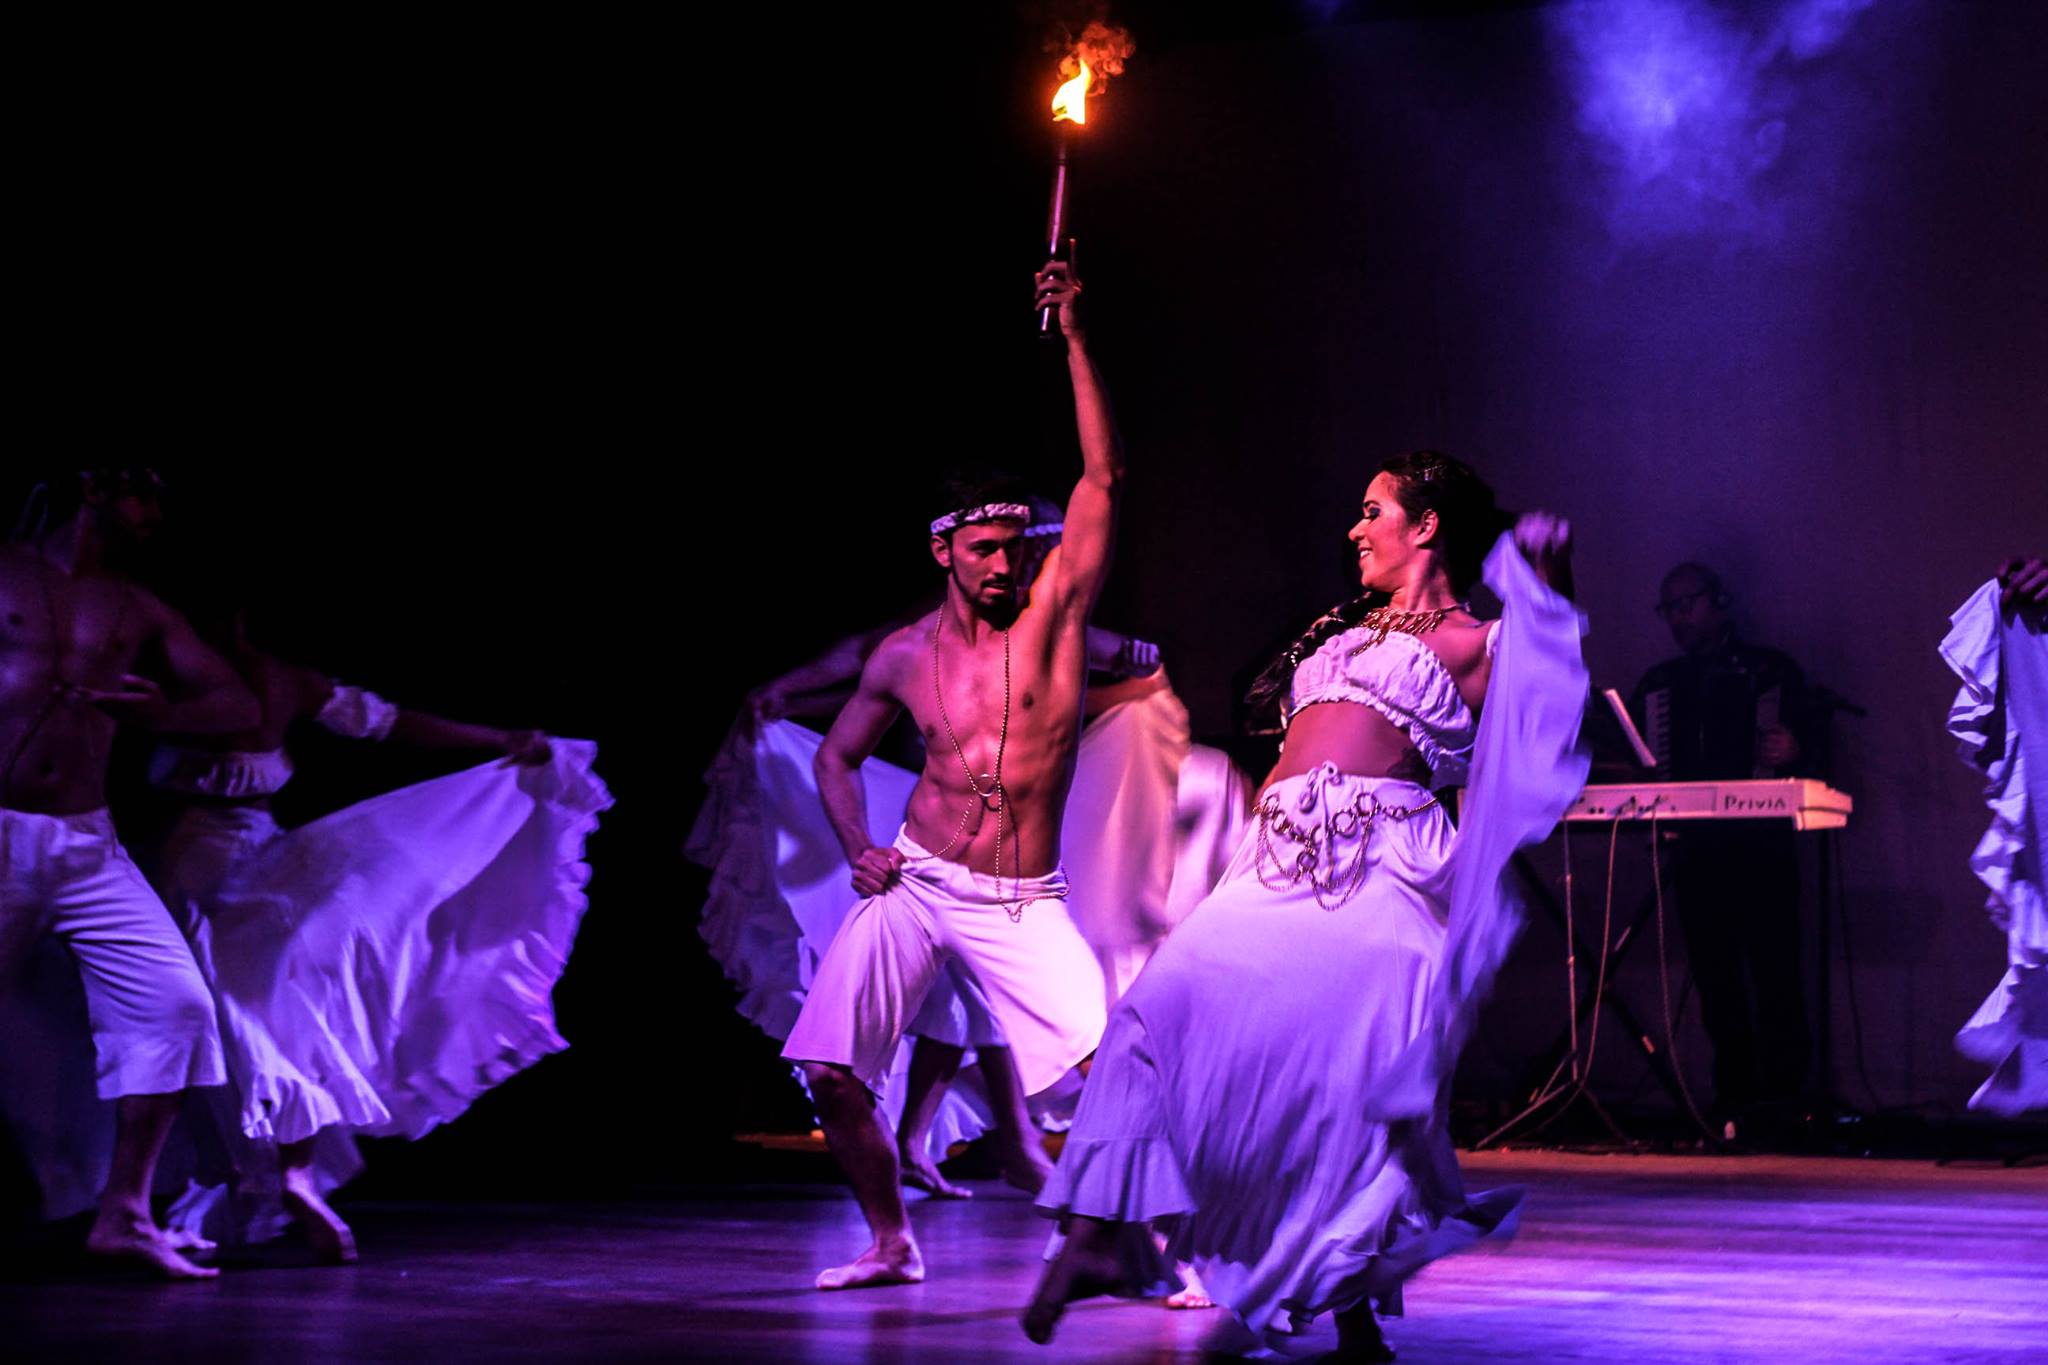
(890, 1263)
(135, 1237)
(920, 1172)
(329, 1237)
(1024, 1165)
(1192, 1296)
(1358, 1337)
(1073, 1274)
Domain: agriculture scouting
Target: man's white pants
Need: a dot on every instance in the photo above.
(153, 1024)
(1039, 975)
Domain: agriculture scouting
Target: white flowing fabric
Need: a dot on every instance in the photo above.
(1275, 1083)
(1149, 826)
(375, 971)
(2000, 718)
(382, 967)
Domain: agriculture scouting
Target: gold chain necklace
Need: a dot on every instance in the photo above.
(1385, 621)
(995, 796)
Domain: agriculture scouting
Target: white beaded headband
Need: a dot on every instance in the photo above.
(990, 511)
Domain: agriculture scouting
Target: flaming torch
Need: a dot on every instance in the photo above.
(1069, 106)
(1100, 52)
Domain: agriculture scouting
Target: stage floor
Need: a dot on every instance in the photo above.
(1620, 1258)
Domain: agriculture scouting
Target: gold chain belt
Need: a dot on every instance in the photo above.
(1315, 859)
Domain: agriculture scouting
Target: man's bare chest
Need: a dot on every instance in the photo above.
(75, 632)
(977, 706)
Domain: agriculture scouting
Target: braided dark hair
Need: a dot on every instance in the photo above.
(1468, 522)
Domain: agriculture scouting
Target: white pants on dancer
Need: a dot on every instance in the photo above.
(2000, 716)
(1038, 974)
(152, 1018)
(1150, 824)
(87, 949)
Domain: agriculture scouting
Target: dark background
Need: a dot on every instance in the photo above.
(587, 378)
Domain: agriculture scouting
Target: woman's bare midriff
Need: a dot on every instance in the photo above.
(1354, 737)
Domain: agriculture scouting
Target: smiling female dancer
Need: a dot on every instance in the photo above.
(1274, 1084)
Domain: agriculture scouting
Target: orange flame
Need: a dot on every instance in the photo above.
(1070, 101)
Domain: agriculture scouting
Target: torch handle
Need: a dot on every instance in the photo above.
(1056, 222)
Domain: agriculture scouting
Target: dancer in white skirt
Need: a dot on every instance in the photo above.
(379, 968)
(1998, 645)
(995, 686)
(1274, 1084)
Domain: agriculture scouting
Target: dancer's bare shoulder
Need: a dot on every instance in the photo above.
(1461, 642)
(894, 661)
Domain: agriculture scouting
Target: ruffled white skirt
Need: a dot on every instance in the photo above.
(380, 968)
(375, 970)
(2000, 719)
(1273, 1085)
(1232, 1087)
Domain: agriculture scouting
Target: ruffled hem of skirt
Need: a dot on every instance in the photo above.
(513, 1030)
(1128, 1180)
(1983, 727)
(1338, 1282)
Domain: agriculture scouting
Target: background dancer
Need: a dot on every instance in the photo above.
(1998, 646)
(77, 633)
(403, 1029)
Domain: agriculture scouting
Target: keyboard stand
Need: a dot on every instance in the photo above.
(1560, 1056)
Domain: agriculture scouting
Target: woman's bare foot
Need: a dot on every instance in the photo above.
(329, 1237)
(129, 1235)
(920, 1172)
(1023, 1164)
(1084, 1268)
(894, 1262)
(1191, 1296)
(1358, 1337)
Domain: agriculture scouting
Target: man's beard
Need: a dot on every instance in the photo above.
(1001, 613)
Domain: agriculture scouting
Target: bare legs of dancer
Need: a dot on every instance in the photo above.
(868, 1155)
(325, 1232)
(933, 1065)
(125, 1229)
(1019, 1153)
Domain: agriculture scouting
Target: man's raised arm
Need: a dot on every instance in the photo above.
(1082, 560)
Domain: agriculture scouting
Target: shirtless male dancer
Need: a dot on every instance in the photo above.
(78, 646)
(995, 684)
